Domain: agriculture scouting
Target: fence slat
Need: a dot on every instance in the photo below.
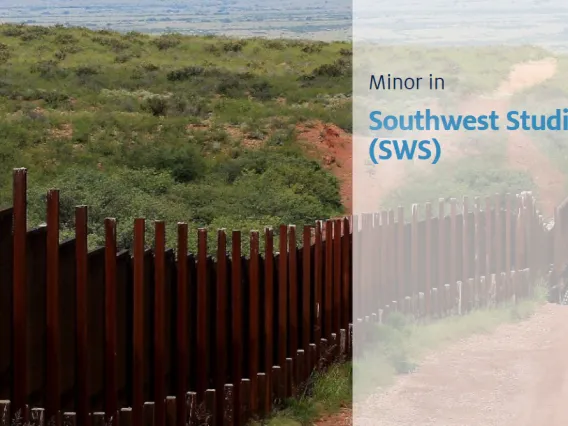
(20, 359)
(328, 286)
(306, 288)
(159, 322)
(442, 275)
(82, 314)
(498, 253)
(268, 361)
(346, 276)
(221, 319)
(182, 353)
(52, 389)
(318, 278)
(237, 319)
(428, 259)
(293, 312)
(111, 391)
(283, 297)
(488, 237)
(453, 278)
(336, 316)
(138, 323)
(202, 316)
(254, 315)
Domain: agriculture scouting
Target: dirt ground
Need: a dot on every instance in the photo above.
(517, 376)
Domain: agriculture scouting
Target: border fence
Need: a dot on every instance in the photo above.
(162, 337)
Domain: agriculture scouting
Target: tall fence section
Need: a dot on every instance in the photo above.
(162, 337)
(460, 256)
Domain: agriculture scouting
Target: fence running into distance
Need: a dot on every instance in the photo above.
(156, 337)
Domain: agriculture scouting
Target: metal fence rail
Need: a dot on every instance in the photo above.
(168, 337)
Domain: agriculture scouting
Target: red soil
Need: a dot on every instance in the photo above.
(333, 147)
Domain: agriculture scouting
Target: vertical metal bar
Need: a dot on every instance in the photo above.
(401, 290)
(318, 260)
(52, 396)
(202, 313)
(306, 287)
(268, 300)
(346, 278)
(336, 307)
(283, 296)
(159, 322)
(428, 259)
(82, 314)
(254, 314)
(19, 359)
(182, 356)
(292, 292)
(138, 324)
(111, 394)
(237, 321)
(414, 252)
(221, 305)
(328, 289)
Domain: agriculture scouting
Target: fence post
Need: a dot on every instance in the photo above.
(236, 320)
(254, 316)
(508, 241)
(52, 396)
(520, 235)
(306, 288)
(384, 247)
(221, 305)
(378, 283)
(336, 316)
(453, 294)
(292, 291)
(500, 286)
(401, 283)
(328, 287)
(283, 303)
(138, 324)
(477, 250)
(269, 307)
(392, 278)
(202, 314)
(428, 260)
(182, 355)
(465, 243)
(346, 269)
(159, 322)
(488, 238)
(20, 360)
(318, 269)
(111, 395)
(414, 288)
(442, 273)
(82, 320)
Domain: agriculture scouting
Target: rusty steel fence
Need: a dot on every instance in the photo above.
(162, 337)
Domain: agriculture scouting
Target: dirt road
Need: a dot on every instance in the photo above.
(517, 376)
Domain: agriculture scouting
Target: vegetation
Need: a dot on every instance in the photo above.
(179, 128)
(185, 128)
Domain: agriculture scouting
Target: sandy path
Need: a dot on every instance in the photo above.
(513, 377)
(522, 153)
